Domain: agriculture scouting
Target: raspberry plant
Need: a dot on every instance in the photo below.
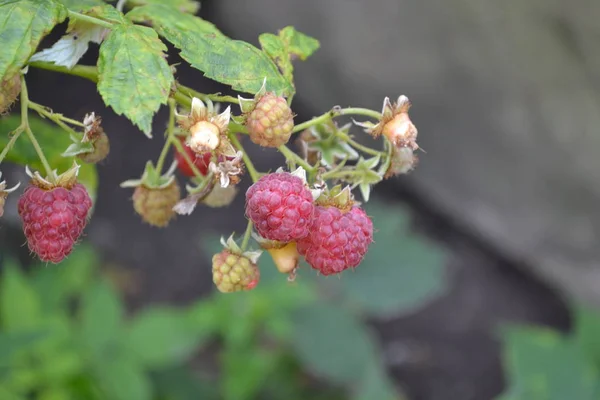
(305, 209)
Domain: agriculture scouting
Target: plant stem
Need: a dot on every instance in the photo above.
(254, 174)
(203, 96)
(11, 142)
(52, 115)
(359, 146)
(25, 125)
(169, 139)
(315, 121)
(336, 112)
(56, 118)
(83, 71)
(182, 99)
(120, 5)
(186, 156)
(91, 20)
(290, 155)
(360, 111)
(247, 235)
(175, 142)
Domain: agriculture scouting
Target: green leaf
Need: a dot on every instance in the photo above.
(134, 76)
(332, 343)
(56, 285)
(400, 273)
(181, 384)
(186, 6)
(289, 44)
(587, 333)
(107, 13)
(275, 48)
(19, 304)
(80, 5)
(101, 318)
(297, 43)
(375, 384)
(222, 59)
(163, 337)
(53, 141)
(245, 371)
(122, 379)
(13, 342)
(542, 365)
(24, 23)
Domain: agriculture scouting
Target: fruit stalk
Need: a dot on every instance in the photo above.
(254, 174)
(25, 124)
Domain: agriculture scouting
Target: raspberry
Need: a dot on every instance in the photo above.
(200, 161)
(280, 206)
(101, 150)
(271, 121)
(54, 219)
(220, 196)
(337, 240)
(155, 205)
(233, 272)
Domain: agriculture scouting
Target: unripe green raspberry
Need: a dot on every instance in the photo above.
(233, 272)
(101, 150)
(155, 205)
(10, 88)
(271, 121)
(220, 196)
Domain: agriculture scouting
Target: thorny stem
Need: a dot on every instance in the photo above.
(360, 111)
(168, 140)
(247, 235)
(57, 118)
(203, 96)
(83, 71)
(52, 115)
(336, 112)
(254, 174)
(358, 146)
(25, 125)
(91, 20)
(290, 155)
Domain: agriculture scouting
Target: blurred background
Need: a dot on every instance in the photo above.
(484, 275)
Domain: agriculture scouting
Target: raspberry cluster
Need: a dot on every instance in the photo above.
(331, 239)
(53, 220)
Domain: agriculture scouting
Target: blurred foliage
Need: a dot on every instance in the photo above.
(65, 333)
(542, 364)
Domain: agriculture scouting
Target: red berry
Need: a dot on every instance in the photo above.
(281, 207)
(53, 220)
(337, 240)
(201, 162)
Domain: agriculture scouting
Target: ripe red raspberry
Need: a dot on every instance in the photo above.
(234, 272)
(337, 240)
(280, 206)
(200, 161)
(271, 121)
(53, 220)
